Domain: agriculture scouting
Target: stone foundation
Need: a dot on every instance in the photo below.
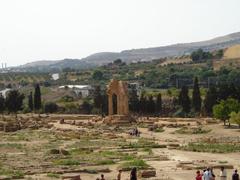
(119, 119)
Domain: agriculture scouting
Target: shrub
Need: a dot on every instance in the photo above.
(50, 107)
(67, 98)
(224, 108)
(235, 118)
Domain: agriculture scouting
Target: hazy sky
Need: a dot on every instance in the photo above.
(33, 30)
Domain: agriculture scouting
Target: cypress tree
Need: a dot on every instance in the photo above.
(2, 103)
(30, 102)
(104, 104)
(196, 96)
(184, 99)
(142, 104)
(210, 100)
(151, 105)
(37, 98)
(97, 97)
(158, 107)
(133, 100)
(223, 92)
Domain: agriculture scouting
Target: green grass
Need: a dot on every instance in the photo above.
(104, 162)
(53, 175)
(158, 130)
(12, 146)
(212, 148)
(186, 130)
(142, 143)
(148, 150)
(138, 163)
(222, 162)
(11, 173)
(100, 158)
(67, 162)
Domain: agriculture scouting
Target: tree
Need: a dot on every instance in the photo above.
(210, 100)
(196, 96)
(2, 103)
(117, 62)
(235, 118)
(219, 54)
(30, 101)
(133, 100)
(142, 103)
(97, 97)
(104, 103)
(224, 108)
(223, 92)
(37, 98)
(97, 75)
(200, 55)
(86, 106)
(14, 101)
(184, 100)
(158, 107)
(50, 107)
(150, 105)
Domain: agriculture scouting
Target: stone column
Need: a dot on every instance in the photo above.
(126, 108)
(110, 105)
(118, 104)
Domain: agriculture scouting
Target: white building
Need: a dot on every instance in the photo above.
(80, 90)
(5, 91)
(55, 76)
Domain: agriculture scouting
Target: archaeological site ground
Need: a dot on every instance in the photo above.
(167, 148)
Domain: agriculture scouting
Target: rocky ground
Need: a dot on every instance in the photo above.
(56, 146)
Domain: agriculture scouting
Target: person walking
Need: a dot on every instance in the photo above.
(207, 175)
(119, 175)
(133, 175)
(102, 177)
(223, 174)
(198, 176)
(212, 173)
(235, 175)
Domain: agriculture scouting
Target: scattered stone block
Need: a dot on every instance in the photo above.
(148, 173)
(71, 176)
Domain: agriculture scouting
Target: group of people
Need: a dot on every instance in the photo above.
(208, 174)
(133, 175)
(135, 132)
(102, 177)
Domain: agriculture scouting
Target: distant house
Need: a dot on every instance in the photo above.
(5, 91)
(79, 90)
(55, 76)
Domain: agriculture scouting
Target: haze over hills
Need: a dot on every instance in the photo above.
(134, 55)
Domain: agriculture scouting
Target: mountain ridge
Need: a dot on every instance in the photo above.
(141, 54)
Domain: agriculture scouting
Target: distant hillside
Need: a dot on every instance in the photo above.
(134, 55)
(51, 66)
(231, 58)
(232, 52)
(39, 63)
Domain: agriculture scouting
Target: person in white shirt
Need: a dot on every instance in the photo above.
(207, 175)
(223, 174)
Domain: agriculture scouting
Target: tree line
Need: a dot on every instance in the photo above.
(14, 101)
(222, 102)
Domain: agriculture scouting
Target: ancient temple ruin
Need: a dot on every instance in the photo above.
(117, 98)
